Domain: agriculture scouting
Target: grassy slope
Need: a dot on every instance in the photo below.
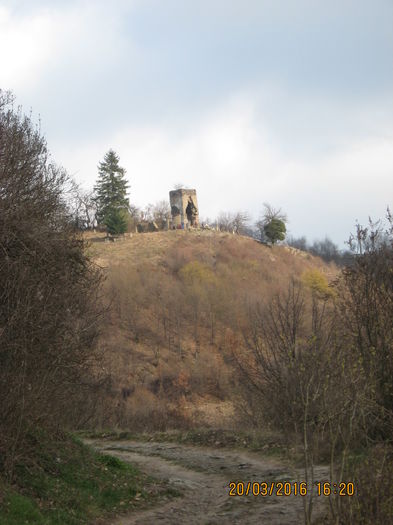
(160, 344)
(67, 483)
(158, 247)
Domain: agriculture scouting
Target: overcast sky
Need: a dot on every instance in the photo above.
(248, 101)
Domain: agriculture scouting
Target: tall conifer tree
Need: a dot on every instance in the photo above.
(111, 187)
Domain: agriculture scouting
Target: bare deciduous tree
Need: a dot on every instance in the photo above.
(82, 206)
(298, 372)
(233, 222)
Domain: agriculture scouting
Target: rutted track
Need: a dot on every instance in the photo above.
(202, 475)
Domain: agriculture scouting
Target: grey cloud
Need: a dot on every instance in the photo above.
(318, 76)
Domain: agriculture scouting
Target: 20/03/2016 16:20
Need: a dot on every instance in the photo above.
(289, 488)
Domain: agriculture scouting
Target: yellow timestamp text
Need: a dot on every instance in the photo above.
(289, 488)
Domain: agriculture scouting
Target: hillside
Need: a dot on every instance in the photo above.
(179, 304)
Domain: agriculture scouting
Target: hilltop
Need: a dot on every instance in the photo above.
(179, 303)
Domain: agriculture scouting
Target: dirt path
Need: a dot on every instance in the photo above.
(203, 476)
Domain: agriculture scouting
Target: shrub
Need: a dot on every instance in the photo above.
(49, 305)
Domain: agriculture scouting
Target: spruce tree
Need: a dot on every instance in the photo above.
(116, 221)
(111, 187)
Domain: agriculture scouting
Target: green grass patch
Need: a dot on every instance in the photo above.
(68, 483)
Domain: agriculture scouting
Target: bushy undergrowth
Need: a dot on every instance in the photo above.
(50, 292)
(372, 475)
(318, 367)
(67, 483)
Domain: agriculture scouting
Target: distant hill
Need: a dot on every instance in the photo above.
(179, 303)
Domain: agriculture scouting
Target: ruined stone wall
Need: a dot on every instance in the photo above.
(179, 200)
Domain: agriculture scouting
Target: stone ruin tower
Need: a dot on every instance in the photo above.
(184, 208)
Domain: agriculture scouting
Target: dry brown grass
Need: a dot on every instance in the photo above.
(179, 303)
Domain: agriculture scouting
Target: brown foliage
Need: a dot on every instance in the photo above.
(49, 291)
(179, 300)
(372, 476)
(319, 368)
(366, 307)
